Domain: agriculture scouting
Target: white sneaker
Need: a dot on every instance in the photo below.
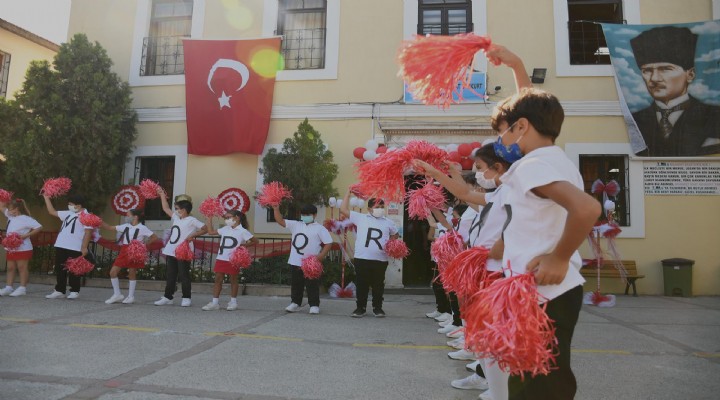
(232, 306)
(443, 317)
(458, 333)
(433, 314)
(6, 290)
(163, 301)
(485, 396)
(55, 295)
(129, 300)
(447, 329)
(73, 295)
(472, 367)
(186, 302)
(462, 355)
(292, 307)
(314, 310)
(20, 291)
(473, 381)
(211, 306)
(457, 344)
(114, 299)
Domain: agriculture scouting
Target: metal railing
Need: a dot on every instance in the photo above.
(162, 55)
(304, 48)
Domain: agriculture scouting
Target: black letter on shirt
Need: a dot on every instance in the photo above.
(224, 243)
(126, 235)
(299, 247)
(175, 229)
(67, 222)
(374, 239)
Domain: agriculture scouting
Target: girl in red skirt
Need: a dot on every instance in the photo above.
(20, 222)
(134, 230)
(232, 235)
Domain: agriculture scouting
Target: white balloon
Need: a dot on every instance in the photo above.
(332, 201)
(442, 147)
(451, 147)
(371, 144)
(360, 202)
(609, 205)
(339, 203)
(369, 155)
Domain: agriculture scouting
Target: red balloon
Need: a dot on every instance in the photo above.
(454, 156)
(465, 149)
(381, 149)
(466, 164)
(475, 145)
(358, 152)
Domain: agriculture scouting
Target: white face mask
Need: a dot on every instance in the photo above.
(74, 208)
(230, 222)
(306, 218)
(378, 212)
(484, 182)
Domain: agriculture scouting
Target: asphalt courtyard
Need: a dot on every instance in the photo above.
(644, 348)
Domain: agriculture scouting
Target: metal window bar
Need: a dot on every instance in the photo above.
(162, 55)
(453, 29)
(586, 39)
(304, 48)
(4, 72)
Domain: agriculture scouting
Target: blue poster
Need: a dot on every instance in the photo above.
(474, 94)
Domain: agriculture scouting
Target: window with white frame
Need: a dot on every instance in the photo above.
(4, 72)
(586, 42)
(160, 169)
(444, 17)
(302, 24)
(607, 168)
(162, 52)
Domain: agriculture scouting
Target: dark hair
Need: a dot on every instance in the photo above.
(20, 205)
(185, 205)
(460, 208)
(241, 216)
(138, 213)
(540, 108)
(76, 199)
(372, 202)
(308, 209)
(488, 156)
(469, 178)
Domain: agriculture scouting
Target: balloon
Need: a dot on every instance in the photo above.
(475, 145)
(441, 147)
(369, 155)
(454, 156)
(465, 149)
(609, 205)
(332, 201)
(360, 202)
(466, 164)
(371, 145)
(381, 149)
(451, 147)
(339, 203)
(358, 152)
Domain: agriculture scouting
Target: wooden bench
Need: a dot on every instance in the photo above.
(608, 270)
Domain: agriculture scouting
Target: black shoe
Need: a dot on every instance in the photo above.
(378, 312)
(358, 313)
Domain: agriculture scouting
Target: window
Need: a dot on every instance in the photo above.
(4, 72)
(444, 17)
(606, 168)
(162, 171)
(170, 22)
(302, 23)
(586, 40)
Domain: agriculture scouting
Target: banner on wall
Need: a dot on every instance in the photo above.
(668, 78)
(228, 93)
(474, 94)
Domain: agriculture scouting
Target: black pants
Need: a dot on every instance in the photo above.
(441, 299)
(177, 270)
(370, 274)
(298, 284)
(62, 275)
(559, 384)
(455, 308)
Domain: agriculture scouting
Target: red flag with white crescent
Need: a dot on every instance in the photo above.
(228, 94)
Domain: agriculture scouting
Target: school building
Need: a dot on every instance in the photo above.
(340, 73)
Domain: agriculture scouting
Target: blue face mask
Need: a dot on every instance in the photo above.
(510, 153)
(306, 218)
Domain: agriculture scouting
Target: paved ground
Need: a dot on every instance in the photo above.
(644, 348)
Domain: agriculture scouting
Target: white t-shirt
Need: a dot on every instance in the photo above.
(180, 230)
(71, 232)
(22, 224)
(372, 234)
(230, 238)
(536, 224)
(307, 240)
(491, 224)
(466, 222)
(128, 232)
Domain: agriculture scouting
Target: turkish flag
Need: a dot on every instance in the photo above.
(228, 94)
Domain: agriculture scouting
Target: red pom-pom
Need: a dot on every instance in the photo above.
(433, 66)
(149, 189)
(137, 252)
(56, 187)
(211, 207)
(78, 266)
(446, 247)
(383, 177)
(396, 248)
(311, 267)
(505, 322)
(183, 252)
(466, 273)
(454, 156)
(272, 194)
(356, 189)
(90, 219)
(429, 153)
(240, 258)
(421, 201)
(12, 241)
(5, 196)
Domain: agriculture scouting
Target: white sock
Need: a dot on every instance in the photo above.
(216, 300)
(233, 300)
(131, 289)
(22, 287)
(497, 379)
(116, 285)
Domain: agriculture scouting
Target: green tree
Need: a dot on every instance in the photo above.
(305, 166)
(73, 119)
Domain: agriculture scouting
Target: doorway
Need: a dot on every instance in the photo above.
(417, 267)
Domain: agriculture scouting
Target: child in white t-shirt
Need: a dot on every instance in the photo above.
(233, 235)
(20, 222)
(134, 230)
(308, 239)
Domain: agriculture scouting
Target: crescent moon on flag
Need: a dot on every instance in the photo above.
(232, 64)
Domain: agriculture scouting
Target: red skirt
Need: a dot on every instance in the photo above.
(19, 255)
(123, 261)
(224, 267)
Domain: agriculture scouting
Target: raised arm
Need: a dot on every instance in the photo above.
(500, 55)
(164, 202)
(278, 217)
(440, 218)
(50, 208)
(209, 226)
(457, 187)
(344, 207)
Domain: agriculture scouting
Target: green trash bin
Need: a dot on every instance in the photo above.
(677, 276)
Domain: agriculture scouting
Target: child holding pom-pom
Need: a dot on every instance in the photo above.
(184, 228)
(232, 236)
(308, 239)
(135, 230)
(22, 224)
(371, 259)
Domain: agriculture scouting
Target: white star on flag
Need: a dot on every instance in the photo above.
(224, 100)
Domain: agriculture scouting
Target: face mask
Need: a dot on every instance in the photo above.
(73, 208)
(229, 222)
(510, 153)
(306, 218)
(484, 182)
(378, 212)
